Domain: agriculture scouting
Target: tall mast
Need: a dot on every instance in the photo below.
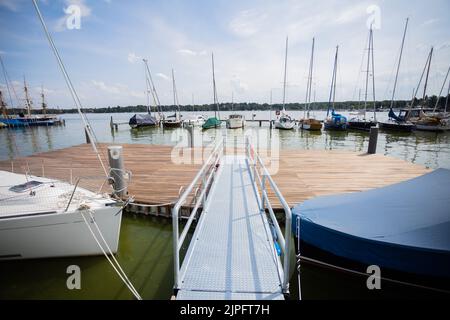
(399, 61)
(44, 104)
(285, 75)
(373, 82)
(175, 94)
(428, 72)
(216, 102)
(367, 72)
(442, 88)
(28, 102)
(420, 81)
(446, 99)
(308, 85)
(232, 101)
(153, 89)
(5, 75)
(193, 103)
(147, 91)
(333, 83)
(74, 94)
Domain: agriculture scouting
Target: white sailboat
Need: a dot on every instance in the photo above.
(284, 121)
(44, 218)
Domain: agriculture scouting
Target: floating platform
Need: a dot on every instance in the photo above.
(157, 180)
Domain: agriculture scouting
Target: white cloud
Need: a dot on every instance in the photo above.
(188, 52)
(429, 22)
(351, 14)
(162, 76)
(116, 89)
(248, 22)
(12, 5)
(133, 58)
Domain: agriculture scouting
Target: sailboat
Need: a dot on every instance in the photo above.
(195, 120)
(45, 218)
(174, 121)
(308, 123)
(28, 119)
(360, 122)
(434, 121)
(396, 123)
(235, 120)
(213, 122)
(334, 121)
(146, 119)
(284, 121)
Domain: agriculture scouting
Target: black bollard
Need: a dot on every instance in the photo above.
(373, 138)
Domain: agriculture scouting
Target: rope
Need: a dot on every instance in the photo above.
(301, 258)
(115, 264)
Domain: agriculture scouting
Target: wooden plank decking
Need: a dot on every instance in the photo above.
(302, 174)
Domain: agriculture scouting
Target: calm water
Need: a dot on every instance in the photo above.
(146, 243)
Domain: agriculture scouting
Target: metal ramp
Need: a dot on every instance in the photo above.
(232, 254)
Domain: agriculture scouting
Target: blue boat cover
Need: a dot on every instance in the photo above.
(405, 226)
(392, 115)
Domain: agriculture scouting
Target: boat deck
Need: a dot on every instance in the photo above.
(301, 174)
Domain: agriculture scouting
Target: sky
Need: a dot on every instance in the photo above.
(104, 56)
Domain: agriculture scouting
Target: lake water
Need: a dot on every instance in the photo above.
(145, 249)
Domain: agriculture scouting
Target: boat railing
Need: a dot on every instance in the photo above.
(260, 175)
(201, 183)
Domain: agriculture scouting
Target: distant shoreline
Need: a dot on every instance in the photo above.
(244, 106)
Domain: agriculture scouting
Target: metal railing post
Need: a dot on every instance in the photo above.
(263, 190)
(176, 256)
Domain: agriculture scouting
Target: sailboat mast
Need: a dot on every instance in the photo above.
(367, 72)
(75, 97)
(428, 73)
(420, 81)
(440, 92)
(335, 74)
(44, 105)
(333, 84)
(232, 101)
(399, 62)
(373, 82)
(5, 75)
(147, 91)
(216, 102)
(27, 97)
(153, 89)
(446, 99)
(285, 75)
(309, 82)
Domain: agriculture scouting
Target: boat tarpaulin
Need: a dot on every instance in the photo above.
(404, 226)
(145, 119)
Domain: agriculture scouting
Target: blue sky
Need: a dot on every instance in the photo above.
(247, 37)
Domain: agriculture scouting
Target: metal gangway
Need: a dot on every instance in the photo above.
(237, 250)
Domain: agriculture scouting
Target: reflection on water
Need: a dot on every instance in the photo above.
(426, 148)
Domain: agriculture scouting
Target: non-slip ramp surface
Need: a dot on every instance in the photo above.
(232, 254)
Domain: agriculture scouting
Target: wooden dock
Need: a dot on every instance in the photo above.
(157, 180)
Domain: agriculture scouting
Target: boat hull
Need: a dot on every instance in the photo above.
(311, 125)
(50, 235)
(394, 126)
(27, 122)
(169, 124)
(360, 125)
(235, 123)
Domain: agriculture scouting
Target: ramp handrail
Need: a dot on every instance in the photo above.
(284, 241)
(206, 173)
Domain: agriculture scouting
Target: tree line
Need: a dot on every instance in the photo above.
(428, 102)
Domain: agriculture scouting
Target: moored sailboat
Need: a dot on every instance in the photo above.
(334, 121)
(396, 123)
(360, 122)
(284, 121)
(213, 122)
(146, 119)
(174, 120)
(309, 123)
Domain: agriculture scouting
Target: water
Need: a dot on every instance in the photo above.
(145, 249)
(427, 148)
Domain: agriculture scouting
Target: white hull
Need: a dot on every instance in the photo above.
(58, 234)
(34, 222)
(235, 123)
(287, 125)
